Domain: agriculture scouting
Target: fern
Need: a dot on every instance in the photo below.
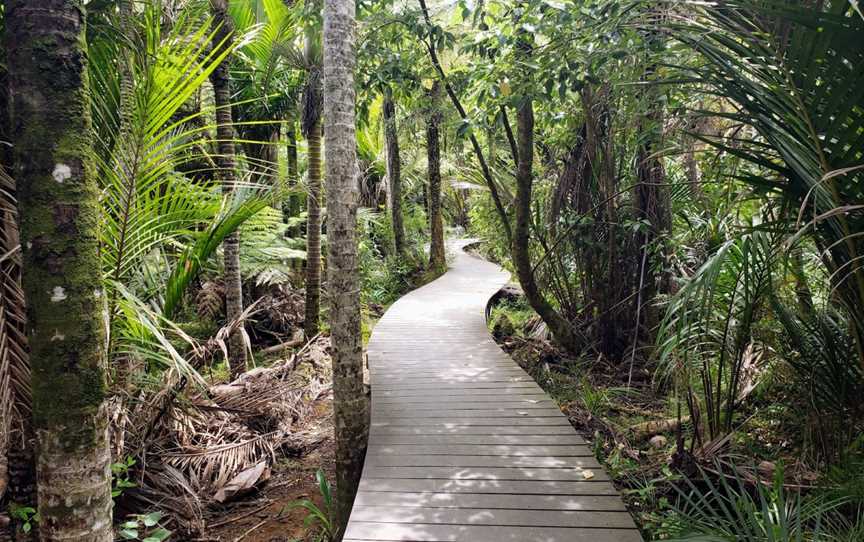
(269, 256)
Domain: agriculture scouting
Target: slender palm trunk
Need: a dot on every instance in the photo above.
(313, 131)
(58, 212)
(394, 171)
(437, 260)
(221, 80)
(291, 204)
(313, 231)
(350, 410)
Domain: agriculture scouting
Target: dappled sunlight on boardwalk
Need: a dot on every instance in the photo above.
(464, 446)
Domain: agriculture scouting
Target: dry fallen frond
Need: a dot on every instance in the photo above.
(192, 444)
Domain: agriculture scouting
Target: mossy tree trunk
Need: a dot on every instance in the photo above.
(221, 80)
(58, 214)
(437, 258)
(350, 410)
(394, 171)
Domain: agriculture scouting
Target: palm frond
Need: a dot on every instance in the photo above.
(14, 362)
(705, 339)
(795, 74)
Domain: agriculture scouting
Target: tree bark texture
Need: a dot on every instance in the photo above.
(437, 258)
(394, 172)
(558, 326)
(350, 409)
(221, 80)
(291, 203)
(58, 203)
(313, 231)
(312, 127)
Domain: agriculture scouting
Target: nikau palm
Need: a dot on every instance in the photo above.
(312, 126)
(58, 212)
(343, 288)
(225, 136)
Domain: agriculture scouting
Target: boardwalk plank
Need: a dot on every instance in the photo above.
(491, 473)
(463, 429)
(478, 516)
(363, 531)
(532, 487)
(385, 440)
(540, 462)
(490, 500)
(509, 450)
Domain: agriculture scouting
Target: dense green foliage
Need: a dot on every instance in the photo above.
(676, 185)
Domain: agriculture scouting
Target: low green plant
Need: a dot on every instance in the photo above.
(729, 509)
(26, 516)
(316, 516)
(120, 477)
(144, 528)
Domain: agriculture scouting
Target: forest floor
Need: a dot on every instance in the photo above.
(267, 515)
(270, 513)
(634, 429)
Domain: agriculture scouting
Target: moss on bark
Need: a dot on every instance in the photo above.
(58, 214)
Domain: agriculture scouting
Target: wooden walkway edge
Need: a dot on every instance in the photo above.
(464, 446)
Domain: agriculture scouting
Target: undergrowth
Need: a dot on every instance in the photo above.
(757, 490)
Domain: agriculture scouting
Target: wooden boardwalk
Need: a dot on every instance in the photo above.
(464, 445)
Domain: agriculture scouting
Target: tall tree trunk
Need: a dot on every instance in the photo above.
(350, 409)
(394, 171)
(291, 204)
(558, 326)
(437, 258)
(475, 144)
(58, 213)
(313, 131)
(313, 231)
(221, 80)
(653, 205)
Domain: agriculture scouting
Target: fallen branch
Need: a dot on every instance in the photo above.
(295, 341)
(247, 533)
(241, 516)
(646, 430)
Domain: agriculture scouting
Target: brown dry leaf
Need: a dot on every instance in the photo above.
(587, 474)
(243, 482)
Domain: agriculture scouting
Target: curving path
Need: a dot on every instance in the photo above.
(464, 446)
